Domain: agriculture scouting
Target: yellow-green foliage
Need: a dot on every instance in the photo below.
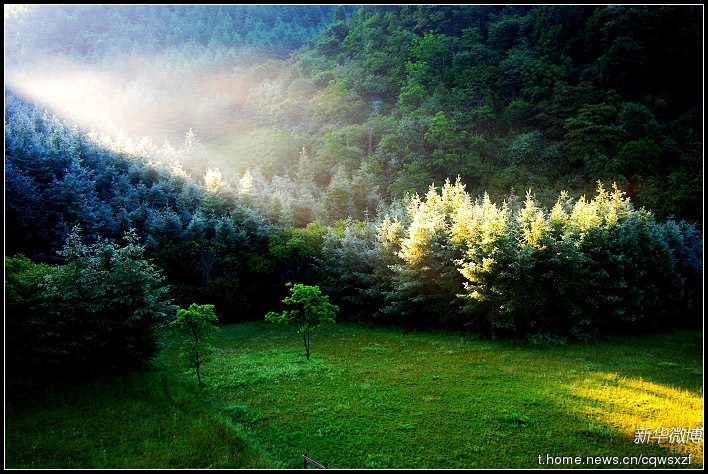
(586, 266)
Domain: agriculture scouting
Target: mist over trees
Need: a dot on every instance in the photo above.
(383, 153)
(152, 70)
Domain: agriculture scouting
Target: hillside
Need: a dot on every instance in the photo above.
(381, 152)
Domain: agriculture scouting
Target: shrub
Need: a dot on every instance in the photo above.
(23, 296)
(100, 310)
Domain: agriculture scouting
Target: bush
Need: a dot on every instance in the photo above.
(23, 296)
(100, 310)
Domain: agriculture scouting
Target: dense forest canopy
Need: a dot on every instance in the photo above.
(253, 146)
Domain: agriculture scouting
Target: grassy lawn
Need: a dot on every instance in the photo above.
(131, 421)
(379, 398)
(368, 398)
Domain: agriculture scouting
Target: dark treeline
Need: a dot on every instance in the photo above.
(344, 138)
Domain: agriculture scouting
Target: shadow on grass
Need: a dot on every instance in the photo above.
(129, 421)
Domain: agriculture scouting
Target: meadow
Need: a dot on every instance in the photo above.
(370, 398)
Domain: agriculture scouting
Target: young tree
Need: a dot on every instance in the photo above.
(197, 323)
(310, 309)
(349, 259)
(426, 280)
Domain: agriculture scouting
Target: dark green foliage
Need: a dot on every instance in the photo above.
(531, 150)
(350, 256)
(293, 252)
(611, 88)
(588, 267)
(425, 281)
(23, 297)
(589, 136)
(114, 296)
(100, 310)
(582, 269)
(24, 212)
(566, 70)
(202, 238)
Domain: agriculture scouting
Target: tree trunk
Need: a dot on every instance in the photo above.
(306, 340)
(199, 378)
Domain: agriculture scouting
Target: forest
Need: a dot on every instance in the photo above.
(526, 174)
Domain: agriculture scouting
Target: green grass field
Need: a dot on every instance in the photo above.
(137, 420)
(371, 398)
